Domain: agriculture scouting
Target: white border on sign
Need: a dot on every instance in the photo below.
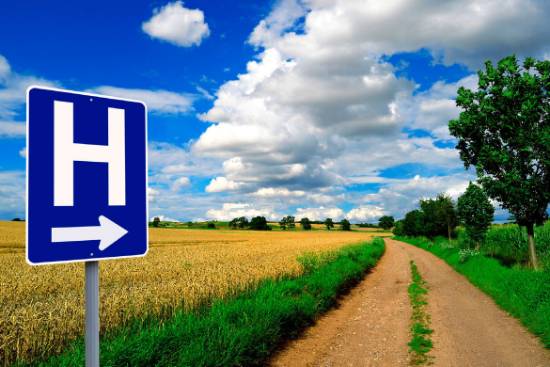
(27, 178)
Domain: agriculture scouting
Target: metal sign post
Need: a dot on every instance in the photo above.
(92, 313)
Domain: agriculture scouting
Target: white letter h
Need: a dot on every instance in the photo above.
(66, 152)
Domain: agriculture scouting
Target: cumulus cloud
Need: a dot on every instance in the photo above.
(10, 129)
(163, 218)
(160, 101)
(320, 213)
(180, 183)
(13, 88)
(433, 109)
(220, 184)
(366, 213)
(233, 210)
(282, 18)
(272, 192)
(402, 196)
(12, 194)
(176, 24)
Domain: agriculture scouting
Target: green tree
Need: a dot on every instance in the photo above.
(413, 224)
(242, 222)
(504, 132)
(439, 216)
(346, 225)
(259, 224)
(290, 222)
(211, 225)
(287, 222)
(446, 210)
(386, 222)
(306, 224)
(398, 228)
(329, 223)
(156, 221)
(476, 212)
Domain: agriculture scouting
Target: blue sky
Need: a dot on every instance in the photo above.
(311, 108)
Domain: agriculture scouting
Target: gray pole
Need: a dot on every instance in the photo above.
(92, 314)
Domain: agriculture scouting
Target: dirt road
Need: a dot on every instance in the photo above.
(371, 327)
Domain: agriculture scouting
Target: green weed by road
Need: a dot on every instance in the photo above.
(421, 343)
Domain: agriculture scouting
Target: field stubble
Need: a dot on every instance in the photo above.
(42, 308)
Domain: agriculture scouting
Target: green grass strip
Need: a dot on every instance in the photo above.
(420, 343)
(523, 293)
(242, 331)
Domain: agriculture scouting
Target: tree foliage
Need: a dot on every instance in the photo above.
(386, 222)
(305, 223)
(440, 217)
(413, 224)
(287, 222)
(476, 212)
(398, 228)
(329, 223)
(156, 221)
(259, 224)
(240, 222)
(504, 132)
(346, 225)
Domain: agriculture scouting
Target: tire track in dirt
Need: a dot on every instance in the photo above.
(371, 326)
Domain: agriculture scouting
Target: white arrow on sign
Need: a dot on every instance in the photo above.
(108, 232)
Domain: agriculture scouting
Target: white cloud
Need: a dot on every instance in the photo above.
(152, 194)
(5, 68)
(10, 129)
(164, 218)
(181, 182)
(220, 184)
(283, 17)
(320, 213)
(178, 25)
(160, 101)
(401, 196)
(433, 109)
(273, 192)
(13, 87)
(366, 213)
(23, 152)
(233, 210)
(172, 160)
(12, 194)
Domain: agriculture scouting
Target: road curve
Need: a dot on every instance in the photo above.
(371, 326)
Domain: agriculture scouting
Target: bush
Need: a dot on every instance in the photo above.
(211, 225)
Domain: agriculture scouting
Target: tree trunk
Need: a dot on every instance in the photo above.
(449, 231)
(532, 252)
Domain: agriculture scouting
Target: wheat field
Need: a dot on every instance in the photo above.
(42, 308)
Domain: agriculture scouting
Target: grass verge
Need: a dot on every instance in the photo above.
(523, 293)
(242, 331)
(421, 343)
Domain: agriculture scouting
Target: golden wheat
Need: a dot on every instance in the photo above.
(42, 308)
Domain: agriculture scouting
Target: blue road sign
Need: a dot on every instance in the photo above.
(86, 177)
